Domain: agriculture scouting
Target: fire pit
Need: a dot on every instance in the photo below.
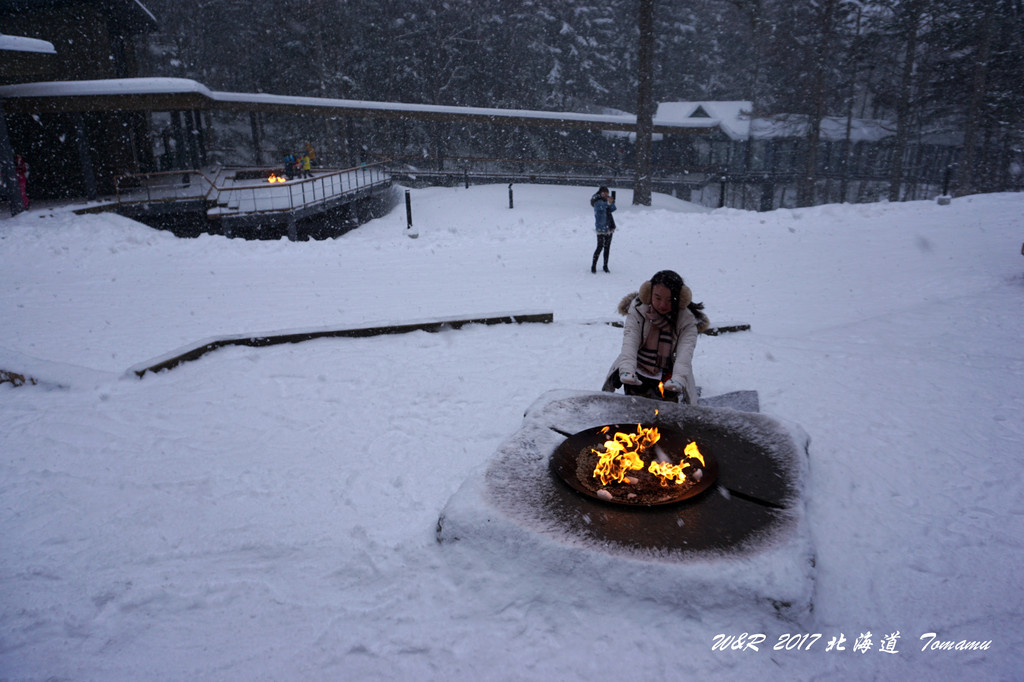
(732, 534)
(641, 465)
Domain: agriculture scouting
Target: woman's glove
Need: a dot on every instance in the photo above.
(673, 386)
(628, 378)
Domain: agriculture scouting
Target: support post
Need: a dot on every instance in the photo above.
(179, 140)
(200, 133)
(84, 157)
(10, 174)
(510, 204)
(193, 144)
(257, 142)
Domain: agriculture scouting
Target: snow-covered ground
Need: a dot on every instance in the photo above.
(270, 513)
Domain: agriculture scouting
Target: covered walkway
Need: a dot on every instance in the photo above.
(184, 99)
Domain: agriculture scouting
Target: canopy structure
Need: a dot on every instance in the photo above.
(180, 94)
(20, 56)
(84, 101)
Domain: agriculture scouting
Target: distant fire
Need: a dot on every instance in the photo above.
(276, 178)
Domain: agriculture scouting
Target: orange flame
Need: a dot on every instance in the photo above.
(691, 452)
(661, 388)
(676, 473)
(276, 178)
(622, 454)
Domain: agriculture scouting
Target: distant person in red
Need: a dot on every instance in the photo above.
(22, 169)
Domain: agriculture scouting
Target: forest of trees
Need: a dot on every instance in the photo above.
(947, 70)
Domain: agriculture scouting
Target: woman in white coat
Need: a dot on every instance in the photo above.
(659, 336)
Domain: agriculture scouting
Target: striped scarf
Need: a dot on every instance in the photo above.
(655, 354)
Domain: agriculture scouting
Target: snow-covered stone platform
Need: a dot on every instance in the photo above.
(744, 540)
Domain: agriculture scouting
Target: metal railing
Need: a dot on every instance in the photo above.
(274, 197)
(165, 186)
(230, 196)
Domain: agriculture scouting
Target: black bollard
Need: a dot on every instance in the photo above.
(510, 195)
(409, 231)
(944, 199)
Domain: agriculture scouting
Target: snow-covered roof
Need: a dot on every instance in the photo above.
(22, 44)
(160, 88)
(732, 117)
(734, 120)
(107, 86)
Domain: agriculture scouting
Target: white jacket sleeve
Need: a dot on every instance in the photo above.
(682, 366)
(632, 333)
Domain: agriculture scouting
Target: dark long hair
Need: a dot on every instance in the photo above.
(672, 281)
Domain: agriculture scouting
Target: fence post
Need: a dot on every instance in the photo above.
(510, 205)
(465, 175)
(767, 202)
(721, 193)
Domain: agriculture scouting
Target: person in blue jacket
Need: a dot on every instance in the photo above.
(604, 225)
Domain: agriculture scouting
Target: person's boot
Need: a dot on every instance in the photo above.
(593, 266)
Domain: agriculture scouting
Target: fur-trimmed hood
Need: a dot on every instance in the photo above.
(685, 298)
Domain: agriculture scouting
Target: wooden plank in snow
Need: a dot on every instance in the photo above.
(260, 340)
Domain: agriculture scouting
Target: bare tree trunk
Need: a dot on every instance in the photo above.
(968, 171)
(903, 102)
(822, 53)
(644, 105)
(844, 163)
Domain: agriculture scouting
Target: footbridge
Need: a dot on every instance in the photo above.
(256, 203)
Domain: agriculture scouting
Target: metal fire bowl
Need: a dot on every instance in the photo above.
(672, 443)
